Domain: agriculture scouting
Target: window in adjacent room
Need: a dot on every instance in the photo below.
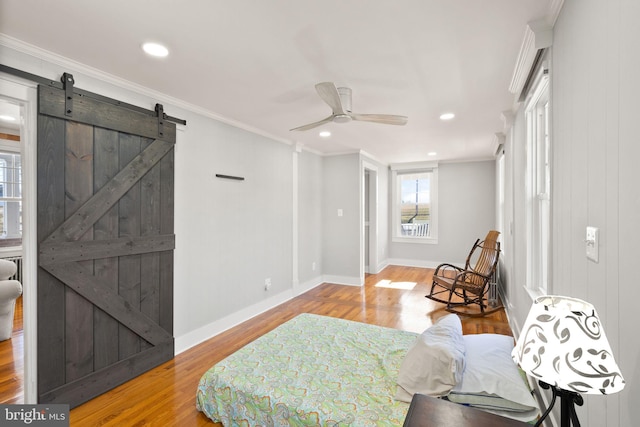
(538, 184)
(415, 196)
(10, 198)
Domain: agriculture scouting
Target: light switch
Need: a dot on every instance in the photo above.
(592, 243)
(339, 212)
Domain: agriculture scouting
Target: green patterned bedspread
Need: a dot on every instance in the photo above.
(310, 371)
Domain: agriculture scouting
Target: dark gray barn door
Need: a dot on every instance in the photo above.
(105, 236)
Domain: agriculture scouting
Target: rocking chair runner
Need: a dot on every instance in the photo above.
(470, 283)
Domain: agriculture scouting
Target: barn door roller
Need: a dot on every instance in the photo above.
(161, 117)
(67, 84)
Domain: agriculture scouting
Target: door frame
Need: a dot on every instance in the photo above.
(370, 200)
(24, 92)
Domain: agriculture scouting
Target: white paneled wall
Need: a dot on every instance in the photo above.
(595, 101)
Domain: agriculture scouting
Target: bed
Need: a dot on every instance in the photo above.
(314, 371)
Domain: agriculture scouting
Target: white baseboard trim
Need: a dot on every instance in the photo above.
(193, 338)
(382, 265)
(343, 280)
(300, 288)
(418, 263)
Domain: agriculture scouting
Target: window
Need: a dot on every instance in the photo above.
(538, 185)
(415, 191)
(10, 196)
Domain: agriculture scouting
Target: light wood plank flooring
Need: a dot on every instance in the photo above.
(165, 396)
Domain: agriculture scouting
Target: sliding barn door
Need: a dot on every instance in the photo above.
(105, 236)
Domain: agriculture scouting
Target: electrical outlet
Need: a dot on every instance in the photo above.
(313, 266)
(267, 283)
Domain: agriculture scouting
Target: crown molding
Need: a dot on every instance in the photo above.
(71, 65)
(554, 11)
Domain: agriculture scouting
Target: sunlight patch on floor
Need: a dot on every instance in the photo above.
(408, 286)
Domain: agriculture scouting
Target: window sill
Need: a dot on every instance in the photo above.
(419, 240)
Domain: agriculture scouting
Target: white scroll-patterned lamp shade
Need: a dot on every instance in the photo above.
(563, 344)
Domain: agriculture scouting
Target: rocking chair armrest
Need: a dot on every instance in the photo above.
(462, 279)
(474, 273)
(446, 266)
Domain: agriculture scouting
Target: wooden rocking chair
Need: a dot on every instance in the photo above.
(470, 283)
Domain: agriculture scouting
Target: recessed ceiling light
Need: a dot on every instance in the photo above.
(325, 134)
(7, 118)
(447, 116)
(431, 153)
(155, 49)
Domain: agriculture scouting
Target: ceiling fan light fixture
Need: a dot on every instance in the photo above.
(447, 116)
(155, 49)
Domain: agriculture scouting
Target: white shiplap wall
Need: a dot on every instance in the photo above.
(595, 71)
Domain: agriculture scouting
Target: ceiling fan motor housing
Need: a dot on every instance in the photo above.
(345, 98)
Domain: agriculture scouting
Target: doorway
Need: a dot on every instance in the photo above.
(17, 166)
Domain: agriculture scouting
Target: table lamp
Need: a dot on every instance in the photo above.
(563, 346)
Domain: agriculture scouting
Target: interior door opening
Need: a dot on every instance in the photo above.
(11, 224)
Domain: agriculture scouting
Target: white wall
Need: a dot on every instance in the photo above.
(466, 212)
(309, 219)
(341, 234)
(595, 149)
(230, 235)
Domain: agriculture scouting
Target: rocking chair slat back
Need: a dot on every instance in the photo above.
(490, 249)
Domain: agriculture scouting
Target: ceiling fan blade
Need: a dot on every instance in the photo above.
(315, 124)
(386, 119)
(329, 94)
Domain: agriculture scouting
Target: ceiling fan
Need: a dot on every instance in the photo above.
(339, 99)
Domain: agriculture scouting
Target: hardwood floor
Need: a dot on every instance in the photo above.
(165, 396)
(12, 361)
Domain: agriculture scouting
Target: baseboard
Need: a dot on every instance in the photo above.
(382, 265)
(193, 338)
(343, 280)
(300, 288)
(418, 263)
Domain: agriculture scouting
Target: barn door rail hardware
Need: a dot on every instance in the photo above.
(80, 92)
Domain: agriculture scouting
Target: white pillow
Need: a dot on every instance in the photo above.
(491, 379)
(435, 362)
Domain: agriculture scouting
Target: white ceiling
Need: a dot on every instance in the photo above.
(256, 62)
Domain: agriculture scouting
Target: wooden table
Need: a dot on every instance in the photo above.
(426, 411)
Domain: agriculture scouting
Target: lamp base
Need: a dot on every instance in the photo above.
(568, 400)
